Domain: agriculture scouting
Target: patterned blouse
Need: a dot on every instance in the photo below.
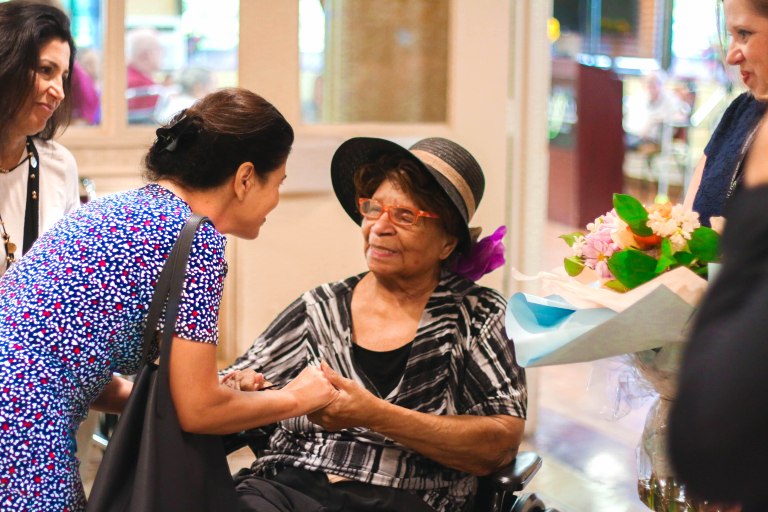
(461, 362)
(72, 312)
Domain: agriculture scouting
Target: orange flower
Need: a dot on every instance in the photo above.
(646, 242)
(665, 210)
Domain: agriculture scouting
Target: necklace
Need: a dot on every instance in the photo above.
(3, 170)
(10, 247)
(31, 209)
(738, 172)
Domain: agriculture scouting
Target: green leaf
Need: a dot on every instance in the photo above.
(632, 267)
(704, 244)
(570, 238)
(616, 286)
(632, 211)
(684, 258)
(667, 258)
(573, 266)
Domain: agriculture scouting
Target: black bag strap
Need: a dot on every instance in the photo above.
(170, 284)
(32, 208)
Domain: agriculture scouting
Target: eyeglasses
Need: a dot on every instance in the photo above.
(404, 216)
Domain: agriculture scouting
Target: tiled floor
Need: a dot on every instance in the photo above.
(589, 461)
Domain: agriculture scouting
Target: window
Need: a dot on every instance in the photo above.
(177, 52)
(87, 31)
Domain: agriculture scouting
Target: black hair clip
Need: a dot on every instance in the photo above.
(169, 136)
(166, 139)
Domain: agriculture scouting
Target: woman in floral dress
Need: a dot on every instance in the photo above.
(73, 310)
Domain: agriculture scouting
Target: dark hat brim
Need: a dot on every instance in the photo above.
(358, 151)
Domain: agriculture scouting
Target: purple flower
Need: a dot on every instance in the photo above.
(483, 257)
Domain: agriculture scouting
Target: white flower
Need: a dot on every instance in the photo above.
(661, 226)
(678, 226)
(688, 220)
(678, 242)
(578, 246)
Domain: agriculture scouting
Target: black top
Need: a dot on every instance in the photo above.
(724, 151)
(719, 423)
(383, 369)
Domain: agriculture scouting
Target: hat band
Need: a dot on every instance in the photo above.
(451, 175)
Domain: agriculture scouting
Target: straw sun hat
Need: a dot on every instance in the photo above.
(454, 169)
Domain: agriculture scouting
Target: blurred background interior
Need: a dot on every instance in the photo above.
(563, 102)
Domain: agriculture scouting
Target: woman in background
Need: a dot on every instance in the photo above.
(38, 177)
(719, 172)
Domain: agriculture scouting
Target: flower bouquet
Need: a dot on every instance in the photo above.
(632, 244)
(630, 286)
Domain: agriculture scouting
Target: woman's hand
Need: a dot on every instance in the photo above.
(245, 380)
(312, 389)
(353, 407)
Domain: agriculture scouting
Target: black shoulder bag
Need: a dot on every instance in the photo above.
(150, 464)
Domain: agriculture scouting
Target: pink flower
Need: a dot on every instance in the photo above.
(599, 244)
(596, 253)
(483, 257)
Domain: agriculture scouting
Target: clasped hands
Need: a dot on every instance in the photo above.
(350, 405)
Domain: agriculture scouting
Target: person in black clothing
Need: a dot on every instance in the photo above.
(718, 424)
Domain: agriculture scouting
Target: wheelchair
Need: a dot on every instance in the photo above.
(497, 492)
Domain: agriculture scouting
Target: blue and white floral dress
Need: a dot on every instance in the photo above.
(72, 312)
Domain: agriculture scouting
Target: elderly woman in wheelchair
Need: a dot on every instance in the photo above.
(431, 396)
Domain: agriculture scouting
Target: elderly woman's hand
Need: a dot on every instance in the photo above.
(354, 407)
(245, 380)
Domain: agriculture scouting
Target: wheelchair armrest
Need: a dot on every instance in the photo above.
(256, 439)
(517, 474)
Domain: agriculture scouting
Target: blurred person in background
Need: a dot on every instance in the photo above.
(720, 170)
(144, 57)
(648, 112)
(194, 83)
(38, 177)
(86, 107)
